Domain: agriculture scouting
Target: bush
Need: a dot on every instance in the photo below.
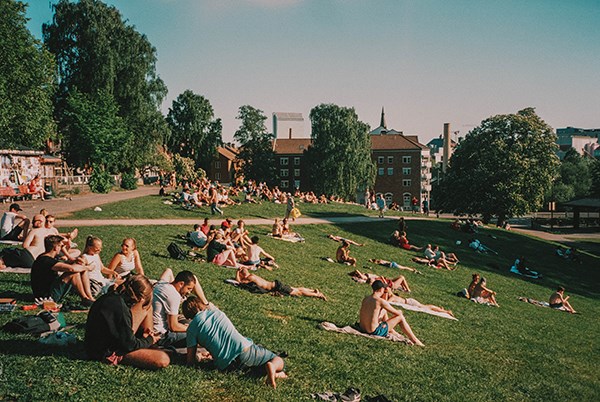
(128, 181)
(101, 181)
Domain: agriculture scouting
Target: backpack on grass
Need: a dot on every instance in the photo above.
(176, 252)
(33, 324)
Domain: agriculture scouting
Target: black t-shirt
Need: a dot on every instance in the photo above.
(42, 275)
(214, 247)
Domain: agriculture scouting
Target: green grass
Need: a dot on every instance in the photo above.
(152, 207)
(515, 352)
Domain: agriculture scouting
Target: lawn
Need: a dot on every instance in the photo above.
(515, 352)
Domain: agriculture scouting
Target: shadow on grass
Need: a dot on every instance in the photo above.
(332, 214)
(30, 347)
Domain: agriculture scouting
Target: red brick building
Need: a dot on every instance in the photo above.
(291, 163)
(224, 167)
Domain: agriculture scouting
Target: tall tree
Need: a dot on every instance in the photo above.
(256, 146)
(27, 81)
(340, 155)
(595, 173)
(574, 179)
(96, 51)
(502, 167)
(194, 133)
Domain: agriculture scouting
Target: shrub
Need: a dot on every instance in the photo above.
(101, 181)
(128, 181)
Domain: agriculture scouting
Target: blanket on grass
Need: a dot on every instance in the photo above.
(292, 238)
(528, 273)
(539, 303)
(15, 270)
(423, 309)
(11, 242)
(348, 329)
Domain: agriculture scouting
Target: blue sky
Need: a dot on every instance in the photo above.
(426, 61)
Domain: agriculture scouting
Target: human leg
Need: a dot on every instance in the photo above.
(75, 279)
(400, 283)
(308, 293)
(400, 320)
(167, 276)
(199, 292)
(275, 370)
(149, 359)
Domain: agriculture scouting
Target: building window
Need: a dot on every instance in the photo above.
(389, 197)
(406, 171)
(381, 171)
(406, 159)
(406, 200)
(380, 159)
(296, 183)
(217, 176)
(390, 171)
(283, 161)
(296, 161)
(217, 164)
(296, 172)
(283, 172)
(285, 184)
(390, 159)
(406, 182)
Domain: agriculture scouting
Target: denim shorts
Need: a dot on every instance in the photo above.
(254, 356)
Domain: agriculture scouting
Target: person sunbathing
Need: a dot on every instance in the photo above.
(482, 294)
(558, 300)
(342, 254)
(393, 298)
(244, 276)
(392, 264)
(340, 239)
(398, 283)
(404, 243)
(277, 230)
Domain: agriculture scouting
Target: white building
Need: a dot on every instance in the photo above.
(288, 125)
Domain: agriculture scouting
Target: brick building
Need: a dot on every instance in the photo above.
(291, 163)
(224, 167)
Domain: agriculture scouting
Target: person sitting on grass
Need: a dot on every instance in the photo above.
(398, 283)
(482, 294)
(91, 257)
(45, 281)
(127, 260)
(116, 318)
(213, 330)
(244, 276)
(404, 243)
(277, 230)
(9, 230)
(253, 253)
(438, 258)
(558, 300)
(220, 253)
(340, 239)
(342, 254)
(392, 264)
(374, 318)
(240, 235)
(197, 237)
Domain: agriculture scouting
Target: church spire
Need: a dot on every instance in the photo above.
(382, 122)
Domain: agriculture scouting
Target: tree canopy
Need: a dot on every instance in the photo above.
(27, 82)
(256, 146)
(574, 178)
(340, 155)
(97, 51)
(502, 167)
(194, 133)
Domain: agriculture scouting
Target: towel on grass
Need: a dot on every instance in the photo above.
(15, 270)
(423, 309)
(292, 238)
(348, 329)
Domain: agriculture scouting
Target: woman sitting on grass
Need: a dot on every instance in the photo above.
(482, 294)
(127, 260)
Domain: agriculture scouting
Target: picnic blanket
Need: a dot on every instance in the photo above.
(292, 238)
(423, 309)
(540, 303)
(348, 329)
(528, 273)
(15, 270)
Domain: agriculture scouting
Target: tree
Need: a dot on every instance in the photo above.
(256, 146)
(340, 155)
(574, 179)
(194, 133)
(96, 51)
(595, 170)
(501, 167)
(27, 82)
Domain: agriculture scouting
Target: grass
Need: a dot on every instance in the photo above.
(516, 352)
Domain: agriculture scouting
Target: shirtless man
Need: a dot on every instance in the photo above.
(342, 254)
(558, 300)
(340, 239)
(374, 315)
(244, 276)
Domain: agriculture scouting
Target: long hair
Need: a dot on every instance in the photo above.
(134, 289)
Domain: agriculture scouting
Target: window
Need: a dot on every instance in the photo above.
(390, 171)
(296, 172)
(406, 159)
(390, 159)
(283, 161)
(283, 172)
(380, 159)
(296, 161)
(406, 200)
(285, 184)
(389, 197)
(296, 183)
(406, 182)
(406, 171)
(217, 164)
(381, 171)
(217, 176)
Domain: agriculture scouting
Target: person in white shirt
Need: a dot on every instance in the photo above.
(9, 229)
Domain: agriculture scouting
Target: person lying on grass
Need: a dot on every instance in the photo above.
(558, 300)
(399, 239)
(213, 330)
(115, 319)
(392, 264)
(244, 276)
(374, 319)
(393, 298)
(482, 294)
(340, 239)
(438, 258)
(398, 283)
(342, 254)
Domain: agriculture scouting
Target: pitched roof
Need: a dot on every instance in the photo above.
(286, 116)
(291, 145)
(395, 141)
(228, 152)
(382, 130)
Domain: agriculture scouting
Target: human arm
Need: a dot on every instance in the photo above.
(28, 240)
(71, 268)
(174, 324)
(138, 262)
(114, 263)
(388, 307)
(191, 355)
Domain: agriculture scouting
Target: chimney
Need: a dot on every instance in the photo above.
(446, 154)
(290, 133)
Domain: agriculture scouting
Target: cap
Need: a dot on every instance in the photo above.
(15, 207)
(225, 224)
(378, 284)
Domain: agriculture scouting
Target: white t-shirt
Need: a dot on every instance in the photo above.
(165, 302)
(96, 263)
(8, 223)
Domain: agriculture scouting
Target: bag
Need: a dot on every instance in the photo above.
(33, 324)
(17, 257)
(295, 213)
(176, 252)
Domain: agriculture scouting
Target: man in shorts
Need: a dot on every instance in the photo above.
(9, 229)
(244, 276)
(374, 315)
(212, 329)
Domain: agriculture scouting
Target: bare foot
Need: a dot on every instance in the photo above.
(281, 374)
(320, 295)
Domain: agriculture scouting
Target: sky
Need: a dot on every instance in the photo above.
(427, 62)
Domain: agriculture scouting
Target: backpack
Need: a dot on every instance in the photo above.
(32, 324)
(176, 252)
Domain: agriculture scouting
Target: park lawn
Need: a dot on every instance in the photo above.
(515, 352)
(152, 207)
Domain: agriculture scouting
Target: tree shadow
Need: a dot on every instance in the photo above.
(30, 347)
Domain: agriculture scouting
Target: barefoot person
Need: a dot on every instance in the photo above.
(558, 300)
(244, 276)
(342, 254)
(374, 315)
(392, 298)
(392, 264)
(398, 283)
(213, 330)
(482, 294)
